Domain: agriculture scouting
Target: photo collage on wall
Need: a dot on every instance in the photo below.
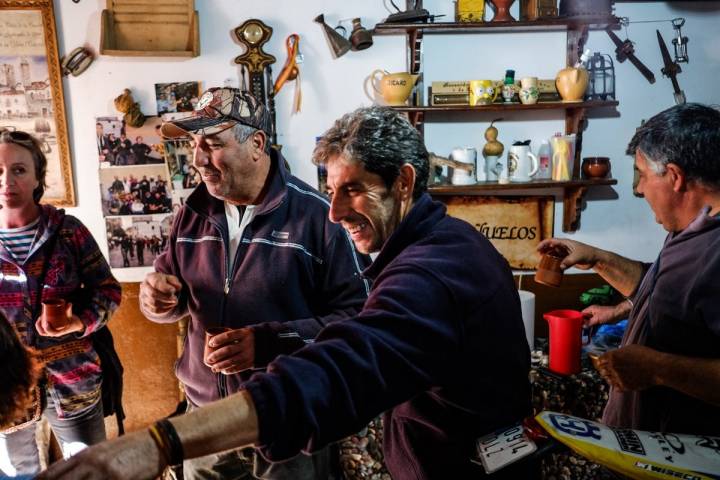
(144, 178)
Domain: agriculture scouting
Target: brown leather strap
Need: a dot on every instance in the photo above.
(64, 350)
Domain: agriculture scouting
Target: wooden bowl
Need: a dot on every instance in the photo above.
(596, 167)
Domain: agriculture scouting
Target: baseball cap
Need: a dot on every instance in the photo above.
(219, 109)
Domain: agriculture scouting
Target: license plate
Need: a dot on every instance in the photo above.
(503, 447)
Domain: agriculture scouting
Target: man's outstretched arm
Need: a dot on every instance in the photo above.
(225, 424)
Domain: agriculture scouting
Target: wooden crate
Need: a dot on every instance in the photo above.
(150, 28)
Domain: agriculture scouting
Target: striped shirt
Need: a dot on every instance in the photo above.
(18, 241)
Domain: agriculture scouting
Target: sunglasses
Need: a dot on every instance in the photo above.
(24, 139)
(16, 135)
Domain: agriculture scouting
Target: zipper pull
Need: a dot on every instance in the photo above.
(227, 286)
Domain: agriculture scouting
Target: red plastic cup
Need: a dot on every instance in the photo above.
(566, 327)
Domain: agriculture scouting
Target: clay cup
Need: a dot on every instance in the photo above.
(210, 333)
(549, 272)
(55, 312)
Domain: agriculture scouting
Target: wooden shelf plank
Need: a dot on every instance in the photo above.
(482, 188)
(557, 24)
(498, 107)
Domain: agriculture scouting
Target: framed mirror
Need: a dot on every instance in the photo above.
(31, 95)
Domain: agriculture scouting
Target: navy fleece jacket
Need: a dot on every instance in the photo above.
(439, 347)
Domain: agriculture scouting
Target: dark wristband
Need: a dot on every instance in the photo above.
(176, 455)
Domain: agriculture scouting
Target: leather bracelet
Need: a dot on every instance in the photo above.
(160, 442)
(176, 455)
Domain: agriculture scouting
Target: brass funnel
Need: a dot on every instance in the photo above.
(339, 45)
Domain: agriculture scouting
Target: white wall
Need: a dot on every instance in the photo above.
(332, 87)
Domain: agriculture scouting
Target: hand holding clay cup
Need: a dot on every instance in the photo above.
(574, 254)
(209, 334)
(232, 351)
(549, 271)
(56, 313)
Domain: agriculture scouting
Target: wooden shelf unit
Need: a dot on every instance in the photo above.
(148, 28)
(575, 112)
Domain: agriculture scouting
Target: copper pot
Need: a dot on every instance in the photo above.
(596, 167)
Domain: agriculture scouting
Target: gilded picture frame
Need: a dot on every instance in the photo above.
(31, 94)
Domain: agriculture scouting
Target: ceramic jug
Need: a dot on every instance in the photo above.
(466, 155)
(522, 163)
(394, 88)
(529, 90)
(571, 83)
(494, 167)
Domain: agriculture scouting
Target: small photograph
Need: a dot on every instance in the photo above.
(176, 96)
(107, 134)
(136, 241)
(135, 190)
(179, 158)
(120, 145)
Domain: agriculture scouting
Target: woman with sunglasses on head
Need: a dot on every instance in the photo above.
(47, 255)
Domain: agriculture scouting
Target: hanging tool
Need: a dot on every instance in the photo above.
(671, 70)
(626, 51)
(680, 42)
(253, 34)
(291, 71)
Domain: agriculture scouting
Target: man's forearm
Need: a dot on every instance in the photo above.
(222, 425)
(697, 377)
(621, 273)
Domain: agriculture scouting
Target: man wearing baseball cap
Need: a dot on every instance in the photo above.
(252, 251)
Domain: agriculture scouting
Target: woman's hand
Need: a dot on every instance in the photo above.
(45, 328)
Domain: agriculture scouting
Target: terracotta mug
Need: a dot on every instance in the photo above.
(210, 333)
(55, 313)
(549, 272)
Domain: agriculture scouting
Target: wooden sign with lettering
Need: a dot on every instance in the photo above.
(514, 225)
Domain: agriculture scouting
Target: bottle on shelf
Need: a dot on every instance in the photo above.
(544, 160)
(584, 59)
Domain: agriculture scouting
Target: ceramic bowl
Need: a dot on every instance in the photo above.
(596, 167)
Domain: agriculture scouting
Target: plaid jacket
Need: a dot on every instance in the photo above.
(78, 273)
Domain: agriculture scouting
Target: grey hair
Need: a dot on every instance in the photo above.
(242, 132)
(381, 140)
(686, 135)
(659, 167)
